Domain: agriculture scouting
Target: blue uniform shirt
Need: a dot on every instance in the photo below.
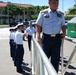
(51, 22)
(19, 37)
(30, 30)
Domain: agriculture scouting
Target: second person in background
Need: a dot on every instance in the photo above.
(30, 31)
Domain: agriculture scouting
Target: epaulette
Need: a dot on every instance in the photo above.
(45, 10)
(61, 12)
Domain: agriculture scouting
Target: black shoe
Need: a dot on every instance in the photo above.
(21, 71)
(14, 64)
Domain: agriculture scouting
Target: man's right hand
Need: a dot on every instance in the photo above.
(39, 41)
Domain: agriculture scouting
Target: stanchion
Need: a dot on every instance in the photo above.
(62, 61)
(70, 58)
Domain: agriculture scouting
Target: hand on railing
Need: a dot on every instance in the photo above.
(39, 41)
(62, 36)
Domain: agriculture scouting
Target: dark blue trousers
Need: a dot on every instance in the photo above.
(29, 41)
(51, 47)
(11, 47)
(19, 57)
(14, 50)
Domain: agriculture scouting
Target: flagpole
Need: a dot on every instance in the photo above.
(63, 5)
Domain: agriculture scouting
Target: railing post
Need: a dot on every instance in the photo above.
(37, 66)
(62, 56)
(33, 64)
(40, 61)
(41, 67)
(70, 58)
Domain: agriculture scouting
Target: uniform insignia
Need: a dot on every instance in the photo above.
(46, 15)
(59, 14)
(43, 11)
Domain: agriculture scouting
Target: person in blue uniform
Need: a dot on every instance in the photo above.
(14, 43)
(52, 22)
(30, 31)
(19, 47)
(11, 41)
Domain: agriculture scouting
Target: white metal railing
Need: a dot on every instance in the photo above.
(70, 58)
(40, 63)
(62, 54)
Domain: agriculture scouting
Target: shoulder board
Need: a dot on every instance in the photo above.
(45, 10)
(61, 12)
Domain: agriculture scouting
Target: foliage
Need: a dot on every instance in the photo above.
(34, 16)
(71, 12)
(14, 10)
(75, 5)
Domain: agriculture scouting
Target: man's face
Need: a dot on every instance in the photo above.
(53, 4)
(30, 25)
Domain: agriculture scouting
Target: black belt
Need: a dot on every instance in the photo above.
(11, 40)
(19, 44)
(52, 35)
(29, 35)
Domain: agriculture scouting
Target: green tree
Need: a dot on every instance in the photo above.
(12, 10)
(71, 12)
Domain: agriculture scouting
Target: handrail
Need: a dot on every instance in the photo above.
(62, 61)
(43, 61)
(71, 56)
(70, 39)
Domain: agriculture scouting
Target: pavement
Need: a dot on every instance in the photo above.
(68, 48)
(6, 64)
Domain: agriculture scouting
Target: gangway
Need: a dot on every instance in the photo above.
(40, 63)
(71, 56)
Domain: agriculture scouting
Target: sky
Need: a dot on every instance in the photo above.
(64, 5)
